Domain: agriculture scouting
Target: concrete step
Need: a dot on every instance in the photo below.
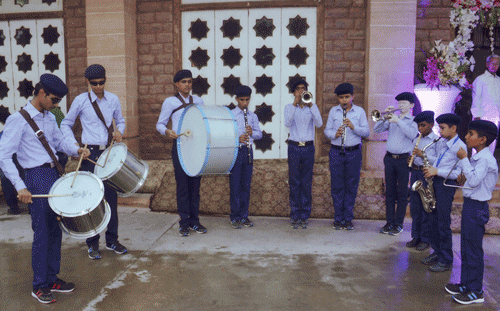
(136, 200)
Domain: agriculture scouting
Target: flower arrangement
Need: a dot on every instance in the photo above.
(448, 63)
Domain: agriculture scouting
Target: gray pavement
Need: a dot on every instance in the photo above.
(268, 267)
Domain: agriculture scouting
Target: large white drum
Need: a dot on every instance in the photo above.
(211, 145)
(121, 170)
(83, 213)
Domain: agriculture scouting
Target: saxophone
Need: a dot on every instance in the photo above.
(426, 194)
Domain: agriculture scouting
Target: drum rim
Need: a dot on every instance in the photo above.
(140, 183)
(117, 168)
(88, 234)
(61, 213)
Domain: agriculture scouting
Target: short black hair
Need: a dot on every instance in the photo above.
(489, 136)
(39, 87)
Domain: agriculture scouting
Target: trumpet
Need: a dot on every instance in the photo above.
(306, 97)
(377, 115)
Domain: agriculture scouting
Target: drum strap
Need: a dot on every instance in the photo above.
(101, 117)
(41, 136)
(184, 105)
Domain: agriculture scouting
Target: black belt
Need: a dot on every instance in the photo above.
(398, 156)
(417, 167)
(301, 143)
(351, 148)
(97, 147)
(45, 165)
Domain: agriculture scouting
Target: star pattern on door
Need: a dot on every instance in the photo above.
(25, 88)
(265, 113)
(2, 37)
(51, 62)
(297, 26)
(200, 86)
(23, 36)
(4, 89)
(231, 28)
(50, 35)
(264, 85)
(230, 84)
(297, 56)
(264, 28)
(199, 58)
(265, 143)
(3, 64)
(231, 57)
(264, 56)
(48, 2)
(199, 29)
(24, 62)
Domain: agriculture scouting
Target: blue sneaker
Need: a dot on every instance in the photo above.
(116, 247)
(94, 252)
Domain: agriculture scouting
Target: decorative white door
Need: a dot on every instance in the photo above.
(28, 49)
(266, 49)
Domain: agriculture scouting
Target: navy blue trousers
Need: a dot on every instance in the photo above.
(9, 191)
(475, 215)
(397, 174)
(47, 235)
(188, 193)
(300, 175)
(440, 221)
(112, 199)
(239, 184)
(420, 218)
(345, 172)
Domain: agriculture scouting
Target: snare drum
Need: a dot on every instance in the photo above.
(212, 145)
(85, 213)
(123, 171)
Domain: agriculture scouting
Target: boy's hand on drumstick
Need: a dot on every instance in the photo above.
(461, 179)
(24, 196)
(244, 138)
(171, 134)
(84, 152)
(117, 136)
(430, 171)
(461, 154)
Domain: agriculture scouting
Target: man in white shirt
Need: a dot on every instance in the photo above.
(486, 94)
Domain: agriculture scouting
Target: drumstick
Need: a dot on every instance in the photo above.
(186, 133)
(94, 163)
(78, 167)
(111, 145)
(35, 196)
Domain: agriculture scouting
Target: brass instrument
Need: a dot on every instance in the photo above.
(455, 186)
(410, 163)
(245, 114)
(307, 97)
(426, 194)
(377, 115)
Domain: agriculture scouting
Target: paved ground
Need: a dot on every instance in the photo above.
(267, 267)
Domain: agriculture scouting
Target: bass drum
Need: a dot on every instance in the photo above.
(211, 145)
(83, 213)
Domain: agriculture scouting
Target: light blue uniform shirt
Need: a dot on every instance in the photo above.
(253, 121)
(482, 175)
(18, 137)
(401, 134)
(448, 150)
(169, 105)
(357, 116)
(301, 122)
(430, 152)
(93, 130)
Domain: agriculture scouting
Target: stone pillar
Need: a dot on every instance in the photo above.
(389, 64)
(112, 42)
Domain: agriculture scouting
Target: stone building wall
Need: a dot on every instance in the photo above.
(433, 23)
(76, 47)
(344, 37)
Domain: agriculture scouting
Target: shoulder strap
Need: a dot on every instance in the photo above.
(184, 105)
(101, 117)
(41, 137)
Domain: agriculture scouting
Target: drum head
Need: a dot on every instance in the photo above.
(117, 155)
(86, 194)
(193, 150)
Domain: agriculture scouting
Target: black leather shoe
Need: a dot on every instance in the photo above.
(439, 267)
(430, 260)
(413, 243)
(422, 246)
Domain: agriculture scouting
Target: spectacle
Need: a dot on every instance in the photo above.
(96, 83)
(55, 100)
